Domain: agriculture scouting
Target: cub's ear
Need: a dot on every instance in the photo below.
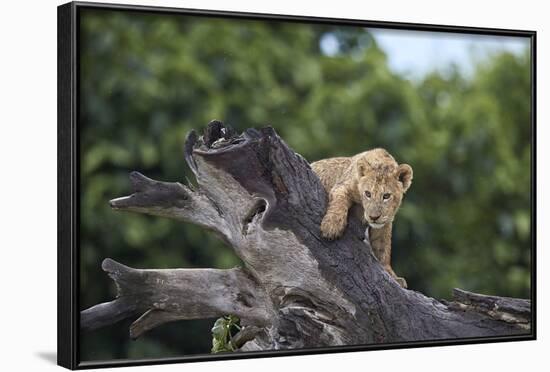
(405, 175)
(361, 168)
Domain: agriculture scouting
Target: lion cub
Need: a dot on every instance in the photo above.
(374, 180)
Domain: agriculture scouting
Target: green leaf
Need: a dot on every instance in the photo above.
(224, 328)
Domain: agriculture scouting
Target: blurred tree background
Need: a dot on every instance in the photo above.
(148, 79)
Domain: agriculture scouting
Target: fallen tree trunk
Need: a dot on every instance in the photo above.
(296, 289)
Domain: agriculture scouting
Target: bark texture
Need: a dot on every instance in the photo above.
(296, 289)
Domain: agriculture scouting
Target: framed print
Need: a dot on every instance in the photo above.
(236, 185)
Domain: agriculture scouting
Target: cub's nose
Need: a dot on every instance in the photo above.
(374, 218)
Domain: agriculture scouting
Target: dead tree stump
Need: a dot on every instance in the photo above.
(296, 290)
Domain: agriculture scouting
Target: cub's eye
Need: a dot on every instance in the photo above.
(367, 194)
(386, 196)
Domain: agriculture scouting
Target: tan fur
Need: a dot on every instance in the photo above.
(349, 180)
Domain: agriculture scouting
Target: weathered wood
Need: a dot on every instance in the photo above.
(511, 310)
(296, 289)
(248, 333)
(176, 294)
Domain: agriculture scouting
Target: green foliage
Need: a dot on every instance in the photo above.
(224, 328)
(148, 79)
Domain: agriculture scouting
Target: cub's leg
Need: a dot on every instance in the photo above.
(335, 219)
(380, 240)
(402, 282)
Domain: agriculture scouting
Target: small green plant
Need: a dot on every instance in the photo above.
(222, 332)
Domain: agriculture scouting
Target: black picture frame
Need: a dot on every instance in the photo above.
(69, 168)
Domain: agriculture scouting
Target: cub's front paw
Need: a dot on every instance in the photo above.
(402, 282)
(332, 226)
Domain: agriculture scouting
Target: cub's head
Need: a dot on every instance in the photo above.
(381, 183)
